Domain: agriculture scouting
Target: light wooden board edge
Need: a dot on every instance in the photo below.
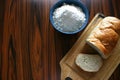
(66, 70)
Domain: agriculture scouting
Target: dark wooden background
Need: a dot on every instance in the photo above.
(30, 49)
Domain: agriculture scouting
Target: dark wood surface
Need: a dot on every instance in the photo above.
(30, 49)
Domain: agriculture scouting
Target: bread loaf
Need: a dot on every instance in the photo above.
(89, 63)
(104, 36)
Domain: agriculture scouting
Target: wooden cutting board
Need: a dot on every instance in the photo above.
(69, 71)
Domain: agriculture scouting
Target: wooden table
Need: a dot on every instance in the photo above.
(30, 49)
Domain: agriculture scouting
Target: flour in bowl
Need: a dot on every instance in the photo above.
(68, 18)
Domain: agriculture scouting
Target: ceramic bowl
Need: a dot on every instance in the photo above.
(70, 2)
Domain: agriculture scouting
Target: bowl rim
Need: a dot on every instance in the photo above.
(73, 2)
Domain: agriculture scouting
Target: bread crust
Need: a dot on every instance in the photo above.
(89, 62)
(111, 22)
(104, 37)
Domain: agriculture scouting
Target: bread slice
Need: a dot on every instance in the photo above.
(88, 62)
(104, 36)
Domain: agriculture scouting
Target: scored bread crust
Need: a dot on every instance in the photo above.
(104, 36)
(111, 22)
(88, 62)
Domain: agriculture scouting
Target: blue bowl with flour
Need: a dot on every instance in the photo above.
(75, 3)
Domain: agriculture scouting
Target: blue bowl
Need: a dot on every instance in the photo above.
(70, 2)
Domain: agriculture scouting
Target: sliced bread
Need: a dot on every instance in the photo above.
(88, 62)
(105, 36)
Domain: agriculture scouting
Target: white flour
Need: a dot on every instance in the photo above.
(68, 18)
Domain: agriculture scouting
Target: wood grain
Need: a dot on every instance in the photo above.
(30, 49)
(71, 70)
